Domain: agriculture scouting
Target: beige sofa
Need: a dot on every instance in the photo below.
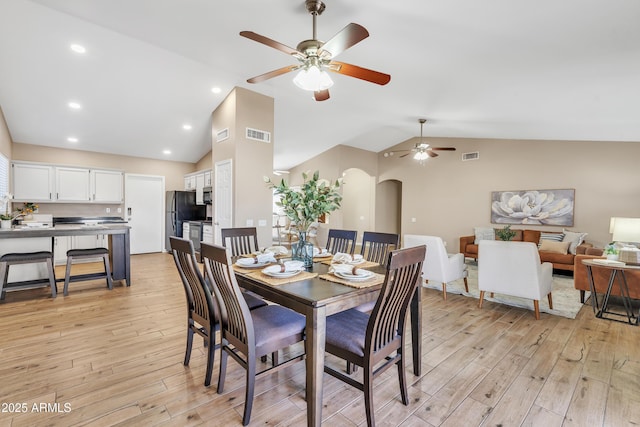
(560, 261)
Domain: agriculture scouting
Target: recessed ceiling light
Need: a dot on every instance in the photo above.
(78, 48)
(186, 126)
(166, 152)
(215, 89)
(74, 105)
(72, 139)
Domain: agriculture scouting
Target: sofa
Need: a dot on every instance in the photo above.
(549, 252)
(601, 277)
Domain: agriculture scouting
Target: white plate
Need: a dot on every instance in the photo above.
(324, 255)
(279, 274)
(356, 261)
(249, 263)
(354, 277)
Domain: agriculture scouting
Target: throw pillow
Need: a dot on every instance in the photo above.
(554, 237)
(574, 238)
(484, 233)
(555, 247)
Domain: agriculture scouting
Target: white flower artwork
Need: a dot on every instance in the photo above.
(533, 207)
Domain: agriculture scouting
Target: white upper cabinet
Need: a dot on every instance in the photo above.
(38, 182)
(72, 185)
(199, 188)
(207, 179)
(32, 182)
(107, 186)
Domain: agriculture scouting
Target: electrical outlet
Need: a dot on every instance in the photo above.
(249, 223)
(119, 210)
(413, 220)
(262, 223)
(108, 210)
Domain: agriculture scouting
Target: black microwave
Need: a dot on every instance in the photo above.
(206, 195)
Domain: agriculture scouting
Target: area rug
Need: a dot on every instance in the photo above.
(566, 299)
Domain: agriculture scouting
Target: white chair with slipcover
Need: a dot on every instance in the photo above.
(439, 266)
(514, 268)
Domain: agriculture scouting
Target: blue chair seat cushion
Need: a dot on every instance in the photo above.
(346, 330)
(87, 252)
(273, 323)
(26, 256)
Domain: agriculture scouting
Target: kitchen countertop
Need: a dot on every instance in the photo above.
(63, 230)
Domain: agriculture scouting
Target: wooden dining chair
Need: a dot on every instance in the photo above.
(248, 334)
(341, 241)
(376, 342)
(202, 317)
(243, 240)
(376, 246)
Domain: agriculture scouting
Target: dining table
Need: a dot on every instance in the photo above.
(314, 295)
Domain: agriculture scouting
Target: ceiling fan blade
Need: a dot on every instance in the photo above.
(271, 74)
(269, 42)
(431, 153)
(405, 155)
(359, 72)
(444, 148)
(321, 95)
(344, 39)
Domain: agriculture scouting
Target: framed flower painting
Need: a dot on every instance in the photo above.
(533, 207)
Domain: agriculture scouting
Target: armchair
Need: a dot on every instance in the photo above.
(438, 265)
(514, 268)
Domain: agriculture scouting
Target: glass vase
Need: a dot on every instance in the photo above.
(302, 250)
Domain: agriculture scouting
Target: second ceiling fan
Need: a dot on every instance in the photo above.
(316, 57)
(422, 151)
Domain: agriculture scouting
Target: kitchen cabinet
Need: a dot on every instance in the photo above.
(63, 243)
(207, 179)
(107, 186)
(39, 182)
(189, 182)
(72, 184)
(207, 234)
(32, 182)
(199, 189)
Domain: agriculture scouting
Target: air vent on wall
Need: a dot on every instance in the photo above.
(470, 156)
(258, 135)
(222, 135)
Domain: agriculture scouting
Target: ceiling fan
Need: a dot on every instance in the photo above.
(422, 150)
(316, 57)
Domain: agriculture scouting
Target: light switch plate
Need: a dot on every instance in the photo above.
(249, 223)
(262, 223)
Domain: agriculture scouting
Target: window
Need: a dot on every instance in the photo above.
(4, 181)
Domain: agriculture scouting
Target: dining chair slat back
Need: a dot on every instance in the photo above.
(202, 316)
(370, 341)
(248, 334)
(376, 246)
(341, 241)
(242, 240)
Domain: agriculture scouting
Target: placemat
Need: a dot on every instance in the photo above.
(276, 281)
(366, 264)
(375, 280)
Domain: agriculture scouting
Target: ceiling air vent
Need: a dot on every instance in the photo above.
(258, 135)
(222, 135)
(475, 155)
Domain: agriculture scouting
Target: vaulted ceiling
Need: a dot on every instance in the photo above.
(513, 69)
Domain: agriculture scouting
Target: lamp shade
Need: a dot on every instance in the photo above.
(626, 230)
(313, 79)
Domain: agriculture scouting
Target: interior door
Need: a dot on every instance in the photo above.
(223, 197)
(145, 212)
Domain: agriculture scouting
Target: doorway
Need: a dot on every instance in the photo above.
(144, 210)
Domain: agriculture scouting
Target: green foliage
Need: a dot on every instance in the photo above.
(506, 233)
(305, 204)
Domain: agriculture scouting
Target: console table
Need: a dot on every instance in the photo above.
(617, 272)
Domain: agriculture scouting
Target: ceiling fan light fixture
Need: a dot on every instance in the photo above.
(421, 156)
(313, 79)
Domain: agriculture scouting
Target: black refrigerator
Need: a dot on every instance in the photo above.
(181, 207)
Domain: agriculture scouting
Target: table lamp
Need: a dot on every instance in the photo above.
(626, 231)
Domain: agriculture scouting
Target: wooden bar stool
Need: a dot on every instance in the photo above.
(84, 254)
(26, 258)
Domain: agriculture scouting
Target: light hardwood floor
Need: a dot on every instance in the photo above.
(115, 358)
